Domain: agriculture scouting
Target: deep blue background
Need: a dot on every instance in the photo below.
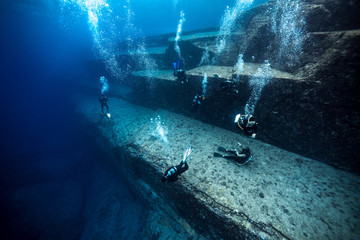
(42, 55)
(52, 182)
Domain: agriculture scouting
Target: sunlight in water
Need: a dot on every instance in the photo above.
(136, 46)
(99, 11)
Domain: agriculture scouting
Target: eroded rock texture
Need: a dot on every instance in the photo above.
(315, 112)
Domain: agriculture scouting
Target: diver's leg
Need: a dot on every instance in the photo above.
(231, 151)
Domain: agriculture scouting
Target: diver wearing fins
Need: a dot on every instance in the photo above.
(103, 101)
(178, 71)
(247, 123)
(197, 101)
(227, 86)
(241, 158)
(172, 173)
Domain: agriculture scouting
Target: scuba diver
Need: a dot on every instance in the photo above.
(103, 101)
(241, 158)
(227, 86)
(172, 173)
(197, 101)
(178, 71)
(247, 123)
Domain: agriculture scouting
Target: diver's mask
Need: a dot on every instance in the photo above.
(250, 124)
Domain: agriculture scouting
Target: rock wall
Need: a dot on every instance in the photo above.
(278, 195)
(317, 117)
(310, 116)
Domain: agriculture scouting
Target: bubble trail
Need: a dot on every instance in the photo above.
(239, 66)
(204, 84)
(105, 85)
(262, 77)
(227, 25)
(178, 33)
(290, 32)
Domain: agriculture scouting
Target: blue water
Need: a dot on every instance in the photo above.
(51, 178)
(51, 174)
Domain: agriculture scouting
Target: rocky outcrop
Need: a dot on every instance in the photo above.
(279, 195)
(310, 116)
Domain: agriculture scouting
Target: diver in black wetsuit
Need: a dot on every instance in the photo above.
(224, 86)
(103, 101)
(172, 173)
(247, 123)
(178, 71)
(197, 101)
(242, 157)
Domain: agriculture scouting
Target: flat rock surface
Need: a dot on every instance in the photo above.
(227, 72)
(198, 35)
(224, 72)
(297, 196)
(160, 74)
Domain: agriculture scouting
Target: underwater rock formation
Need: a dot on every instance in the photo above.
(314, 112)
(278, 195)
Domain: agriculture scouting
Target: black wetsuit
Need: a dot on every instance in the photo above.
(103, 102)
(197, 101)
(241, 157)
(243, 124)
(221, 86)
(172, 173)
(179, 73)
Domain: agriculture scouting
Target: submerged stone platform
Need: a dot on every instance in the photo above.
(278, 195)
(295, 114)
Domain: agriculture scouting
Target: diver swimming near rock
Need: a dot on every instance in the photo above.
(172, 173)
(247, 123)
(179, 72)
(240, 157)
(103, 101)
(227, 86)
(197, 101)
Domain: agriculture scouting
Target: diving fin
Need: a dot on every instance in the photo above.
(217, 154)
(217, 77)
(187, 154)
(221, 149)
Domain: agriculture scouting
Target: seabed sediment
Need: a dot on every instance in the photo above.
(278, 195)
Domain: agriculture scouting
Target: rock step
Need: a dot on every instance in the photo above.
(279, 195)
(250, 70)
(224, 72)
(350, 32)
(196, 36)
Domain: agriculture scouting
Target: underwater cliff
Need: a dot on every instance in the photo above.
(300, 82)
(101, 108)
(311, 103)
